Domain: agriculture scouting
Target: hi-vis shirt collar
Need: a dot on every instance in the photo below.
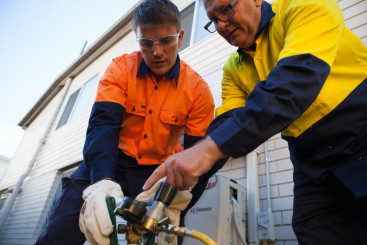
(266, 15)
(173, 73)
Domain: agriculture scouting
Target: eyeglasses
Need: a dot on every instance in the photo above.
(164, 42)
(225, 14)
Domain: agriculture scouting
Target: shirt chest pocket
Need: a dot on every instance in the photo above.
(135, 107)
(170, 128)
(172, 117)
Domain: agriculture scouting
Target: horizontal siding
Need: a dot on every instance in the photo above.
(207, 53)
(27, 146)
(28, 211)
(355, 15)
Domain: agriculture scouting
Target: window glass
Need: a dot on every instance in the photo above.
(68, 108)
(194, 32)
(83, 99)
(186, 23)
(3, 196)
(78, 102)
(201, 20)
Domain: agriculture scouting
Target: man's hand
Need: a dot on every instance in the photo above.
(179, 203)
(184, 168)
(94, 219)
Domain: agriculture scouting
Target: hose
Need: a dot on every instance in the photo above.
(202, 237)
(235, 220)
(184, 232)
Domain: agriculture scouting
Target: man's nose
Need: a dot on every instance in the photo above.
(157, 50)
(222, 25)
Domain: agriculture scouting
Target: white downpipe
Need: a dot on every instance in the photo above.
(267, 177)
(10, 202)
(266, 228)
(253, 196)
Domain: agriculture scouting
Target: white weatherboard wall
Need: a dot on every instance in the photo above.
(355, 15)
(4, 162)
(63, 146)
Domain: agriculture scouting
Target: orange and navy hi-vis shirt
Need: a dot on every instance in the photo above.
(142, 118)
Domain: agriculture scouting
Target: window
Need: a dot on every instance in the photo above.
(200, 20)
(193, 20)
(62, 175)
(77, 103)
(83, 99)
(186, 23)
(3, 197)
(68, 108)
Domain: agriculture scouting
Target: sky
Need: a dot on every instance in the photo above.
(39, 39)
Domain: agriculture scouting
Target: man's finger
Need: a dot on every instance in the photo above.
(177, 178)
(159, 173)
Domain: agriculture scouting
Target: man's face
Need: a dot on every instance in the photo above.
(241, 29)
(159, 57)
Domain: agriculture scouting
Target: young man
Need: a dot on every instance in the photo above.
(301, 72)
(145, 101)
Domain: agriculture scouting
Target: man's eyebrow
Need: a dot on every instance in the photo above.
(217, 10)
(214, 15)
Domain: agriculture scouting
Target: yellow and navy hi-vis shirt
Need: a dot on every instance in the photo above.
(306, 76)
(142, 118)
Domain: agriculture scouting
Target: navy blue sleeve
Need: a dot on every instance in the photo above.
(291, 87)
(190, 140)
(101, 145)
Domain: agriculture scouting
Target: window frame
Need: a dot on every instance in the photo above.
(61, 174)
(70, 107)
(194, 24)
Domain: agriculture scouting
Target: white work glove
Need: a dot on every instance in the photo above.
(94, 219)
(173, 211)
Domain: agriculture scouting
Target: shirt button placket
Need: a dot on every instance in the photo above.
(150, 112)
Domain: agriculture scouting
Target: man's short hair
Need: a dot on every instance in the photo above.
(156, 12)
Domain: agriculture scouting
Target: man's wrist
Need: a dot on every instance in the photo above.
(212, 150)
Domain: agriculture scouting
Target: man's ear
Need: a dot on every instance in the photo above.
(180, 37)
(258, 3)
